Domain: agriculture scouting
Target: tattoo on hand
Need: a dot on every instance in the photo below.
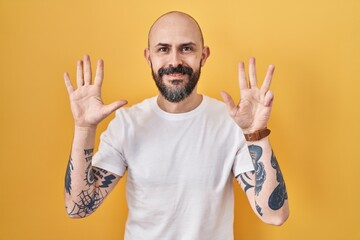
(88, 203)
(69, 168)
(260, 174)
(279, 195)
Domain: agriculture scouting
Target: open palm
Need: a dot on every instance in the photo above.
(253, 111)
(87, 106)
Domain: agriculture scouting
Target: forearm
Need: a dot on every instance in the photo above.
(265, 187)
(79, 179)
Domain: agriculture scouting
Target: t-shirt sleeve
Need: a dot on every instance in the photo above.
(110, 156)
(243, 162)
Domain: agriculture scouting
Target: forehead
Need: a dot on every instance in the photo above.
(175, 29)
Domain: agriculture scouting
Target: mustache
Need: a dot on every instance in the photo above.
(179, 69)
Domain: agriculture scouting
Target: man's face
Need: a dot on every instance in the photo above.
(175, 55)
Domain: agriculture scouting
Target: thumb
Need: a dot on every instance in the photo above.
(228, 100)
(108, 109)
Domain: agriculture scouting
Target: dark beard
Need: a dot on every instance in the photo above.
(178, 93)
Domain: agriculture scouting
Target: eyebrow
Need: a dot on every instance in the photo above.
(183, 44)
(162, 45)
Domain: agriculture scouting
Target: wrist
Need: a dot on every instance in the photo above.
(257, 135)
(85, 129)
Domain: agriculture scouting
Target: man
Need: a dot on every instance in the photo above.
(181, 149)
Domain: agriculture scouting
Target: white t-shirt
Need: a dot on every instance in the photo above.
(180, 169)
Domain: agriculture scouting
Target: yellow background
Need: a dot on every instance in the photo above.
(315, 46)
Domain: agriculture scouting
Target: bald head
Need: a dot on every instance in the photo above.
(175, 24)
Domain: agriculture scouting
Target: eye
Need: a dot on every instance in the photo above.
(163, 49)
(187, 49)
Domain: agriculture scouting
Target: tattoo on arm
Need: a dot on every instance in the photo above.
(103, 175)
(90, 200)
(279, 195)
(88, 153)
(258, 209)
(69, 168)
(241, 178)
(88, 203)
(89, 176)
(260, 174)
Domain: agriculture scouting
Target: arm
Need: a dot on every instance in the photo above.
(86, 186)
(264, 187)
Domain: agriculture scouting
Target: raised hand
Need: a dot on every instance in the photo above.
(253, 111)
(87, 106)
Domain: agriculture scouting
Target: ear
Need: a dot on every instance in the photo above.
(147, 56)
(204, 55)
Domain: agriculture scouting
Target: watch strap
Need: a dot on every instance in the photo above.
(257, 135)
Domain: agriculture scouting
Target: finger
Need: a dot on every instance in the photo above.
(269, 98)
(268, 78)
(242, 76)
(68, 84)
(87, 70)
(108, 109)
(79, 74)
(228, 100)
(99, 76)
(252, 73)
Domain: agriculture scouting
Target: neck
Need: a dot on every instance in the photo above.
(186, 105)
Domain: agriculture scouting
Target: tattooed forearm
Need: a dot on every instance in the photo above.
(107, 181)
(88, 202)
(241, 178)
(69, 168)
(89, 176)
(279, 195)
(103, 175)
(88, 152)
(260, 174)
(99, 173)
(258, 209)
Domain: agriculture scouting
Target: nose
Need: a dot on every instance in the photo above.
(175, 59)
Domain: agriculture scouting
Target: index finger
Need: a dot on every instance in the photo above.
(242, 76)
(268, 78)
(68, 84)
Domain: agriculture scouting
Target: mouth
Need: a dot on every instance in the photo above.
(176, 78)
(176, 75)
(176, 82)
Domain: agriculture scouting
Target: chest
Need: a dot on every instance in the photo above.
(194, 153)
